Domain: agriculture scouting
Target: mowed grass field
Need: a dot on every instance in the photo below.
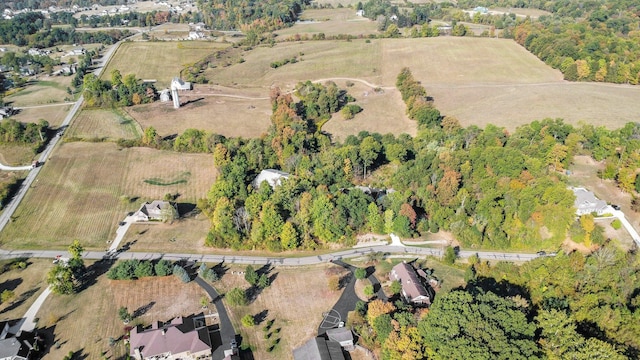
(46, 90)
(477, 80)
(330, 22)
(297, 323)
(205, 111)
(158, 60)
(82, 191)
(54, 114)
(26, 284)
(84, 322)
(104, 124)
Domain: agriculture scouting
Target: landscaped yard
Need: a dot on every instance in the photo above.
(85, 322)
(26, 284)
(85, 189)
(295, 301)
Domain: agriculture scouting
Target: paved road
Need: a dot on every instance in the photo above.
(227, 332)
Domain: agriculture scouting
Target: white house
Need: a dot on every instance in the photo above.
(156, 210)
(271, 176)
(586, 202)
(195, 35)
(360, 13)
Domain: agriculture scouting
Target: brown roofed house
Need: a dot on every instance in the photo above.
(413, 289)
(156, 210)
(178, 339)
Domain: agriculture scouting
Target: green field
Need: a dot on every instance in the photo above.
(158, 60)
(47, 90)
(329, 22)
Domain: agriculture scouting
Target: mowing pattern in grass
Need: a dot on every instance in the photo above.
(52, 90)
(158, 60)
(107, 124)
(181, 179)
(78, 195)
(53, 114)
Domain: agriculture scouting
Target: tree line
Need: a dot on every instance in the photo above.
(32, 29)
(120, 91)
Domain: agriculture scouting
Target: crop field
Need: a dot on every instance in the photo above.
(104, 124)
(330, 22)
(54, 114)
(48, 90)
(85, 189)
(205, 111)
(84, 322)
(158, 60)
(297, 323)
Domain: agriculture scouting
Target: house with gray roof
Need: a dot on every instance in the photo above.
(273, 177)
(156, 210)
(182, 338)
(586, 202)
(342, 336)
(319, 348)
(15, 346)
(413, 289)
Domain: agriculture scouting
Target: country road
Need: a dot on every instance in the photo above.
(402, 251)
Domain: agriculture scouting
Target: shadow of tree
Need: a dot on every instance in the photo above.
(21, 299)
(143, 309)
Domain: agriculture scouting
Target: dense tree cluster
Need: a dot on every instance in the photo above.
(136, 269)
(259, 16)
(586, 305)
(34, 134)
(32, 29)
(121, 91)
(66, 276)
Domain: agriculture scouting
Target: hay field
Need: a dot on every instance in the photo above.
(330, 22)
(54, 114)
(87, 320)
(104, 124)
(48, 90)
(222, 115)
(81, 192)
(297, 323)
(158, 60)
(316, 59)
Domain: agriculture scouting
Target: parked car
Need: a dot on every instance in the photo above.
(615, 207)
(541, 253)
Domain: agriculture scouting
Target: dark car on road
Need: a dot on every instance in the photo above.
(615, 207)
(541, 253)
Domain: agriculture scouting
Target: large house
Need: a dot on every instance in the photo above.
(586, 202)
(156, 210)
(181, 338)
(413, 289)
(319, 348)
(19, 346)
(271, 176)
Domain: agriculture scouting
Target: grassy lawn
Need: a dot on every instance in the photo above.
(53, 114)
(84, 322)
(80, 193)
(47, 90)
(297, 318)
(158, 60)
(26, 284)
(16, 155)
(108, 124)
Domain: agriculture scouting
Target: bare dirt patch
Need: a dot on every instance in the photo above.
(82, 190)
(298, 322)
